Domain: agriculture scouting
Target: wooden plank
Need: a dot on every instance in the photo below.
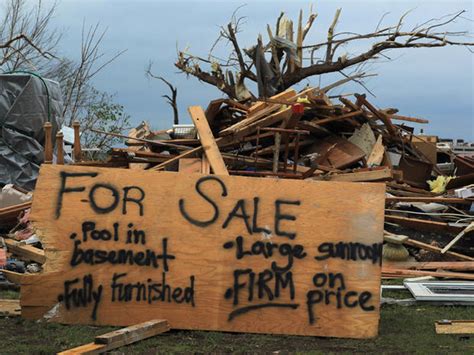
(431, 265)
(342, 152)
(444, 274)
(284, 114)
(430, 199)
(207, 140)
(194, 226)
(371, 175)
(379, 114)
(421, 245)
(10, 308)
(423, 224)
(87, 349)
(408, 119)
(468, 229)
(376, 156)
(134, 333)
(28, 252)
(454, 327)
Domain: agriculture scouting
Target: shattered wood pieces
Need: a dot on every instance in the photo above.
(27, 252)
(209, 145)
(382, 174)
(343, 154)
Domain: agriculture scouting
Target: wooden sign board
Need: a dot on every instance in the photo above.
(207, 252)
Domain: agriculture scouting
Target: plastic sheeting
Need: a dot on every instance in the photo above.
(24, 100)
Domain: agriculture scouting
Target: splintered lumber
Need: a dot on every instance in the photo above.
(468, 229)
(376, 156)
(379, 114)
(432, 265)
(28, 252)
(207, 140)
(454, 326)
(430, 199)
(360, 176)
(121, 337)
(408, 119)
(10, 213)
(444, 274)
(425, 225)
(421, 245)
(283, 114)
(10, 308)
(342, 152)
(149, 141)
(259, 113)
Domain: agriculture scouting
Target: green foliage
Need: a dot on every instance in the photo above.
(104, 115)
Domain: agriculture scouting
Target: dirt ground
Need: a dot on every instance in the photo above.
(403, 329)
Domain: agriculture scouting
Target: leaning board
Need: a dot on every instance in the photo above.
(207, 252)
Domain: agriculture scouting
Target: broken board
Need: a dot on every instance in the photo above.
(207, 252)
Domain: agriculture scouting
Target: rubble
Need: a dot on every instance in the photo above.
(309, 136)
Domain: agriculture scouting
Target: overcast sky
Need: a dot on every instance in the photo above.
(436, 84)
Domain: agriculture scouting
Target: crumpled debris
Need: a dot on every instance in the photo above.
(439, 185)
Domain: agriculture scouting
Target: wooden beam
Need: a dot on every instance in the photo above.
(430, 199)
(26, 251)
(454, 327)
(403, 272)
(207, 140)
(423, 224)
(431, 265)
(371, 175)
(421, 245)
(121, 337)
(134, 333)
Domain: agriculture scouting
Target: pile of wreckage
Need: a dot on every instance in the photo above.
(429, 218)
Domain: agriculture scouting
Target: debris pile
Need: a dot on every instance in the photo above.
(429, 217)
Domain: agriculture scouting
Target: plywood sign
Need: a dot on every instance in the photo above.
(207, 252)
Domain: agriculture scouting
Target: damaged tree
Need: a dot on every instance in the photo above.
(288, 66)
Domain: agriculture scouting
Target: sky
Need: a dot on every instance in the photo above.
(436, 84)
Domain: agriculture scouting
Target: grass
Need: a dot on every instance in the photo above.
(402, 330)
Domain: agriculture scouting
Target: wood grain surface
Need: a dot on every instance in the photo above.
(124, 247)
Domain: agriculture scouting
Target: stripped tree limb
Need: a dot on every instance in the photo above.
(288, 64)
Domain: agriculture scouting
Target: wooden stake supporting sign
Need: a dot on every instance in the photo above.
(207, 252)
